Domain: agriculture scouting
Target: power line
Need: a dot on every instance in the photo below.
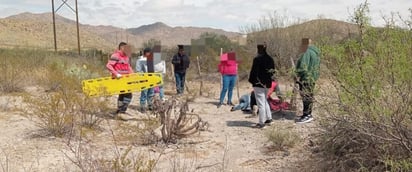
(76, 11)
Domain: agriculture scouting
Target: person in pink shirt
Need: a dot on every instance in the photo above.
(119, 65)
(228, 69)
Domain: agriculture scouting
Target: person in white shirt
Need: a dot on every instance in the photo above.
(145, 65)
(160, 67)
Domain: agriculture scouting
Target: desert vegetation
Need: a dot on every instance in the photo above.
(368, 126)
(363, 104)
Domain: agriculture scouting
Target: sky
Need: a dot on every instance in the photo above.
(229, 15)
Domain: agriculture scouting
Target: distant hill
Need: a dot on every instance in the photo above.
(319, 29)
(175, 35)
(35, 30)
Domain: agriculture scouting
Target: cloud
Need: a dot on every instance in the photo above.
(225, 14)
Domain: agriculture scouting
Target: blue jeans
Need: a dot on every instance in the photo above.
(180, 82)
(244, 103)
(146, 96)
(161, 90)
(228, 85)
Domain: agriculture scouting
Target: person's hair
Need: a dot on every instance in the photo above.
(306, 41)
(147, 50)
(180, 47)
(261, 49)
(122, 44)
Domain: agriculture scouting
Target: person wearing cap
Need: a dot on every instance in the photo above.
(119, 65)
(180, 63)
(145, 65)
(307, 72)
(261, 79)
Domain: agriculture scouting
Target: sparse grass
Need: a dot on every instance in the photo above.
(87, 159)
(139, 133)
(4, 161)
(282, 137)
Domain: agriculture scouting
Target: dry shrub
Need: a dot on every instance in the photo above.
(12, 77)
(53, 113)
(176, 121)
(87, 159)
(62, 107)
(92, 110)
(282, 136)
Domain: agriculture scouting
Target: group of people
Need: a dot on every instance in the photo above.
(119, 65)
(261, 78)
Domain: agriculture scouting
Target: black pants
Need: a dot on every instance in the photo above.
(123, 102)
(252, 100)
(306, 92)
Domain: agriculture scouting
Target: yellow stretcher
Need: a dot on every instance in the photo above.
(134, 82)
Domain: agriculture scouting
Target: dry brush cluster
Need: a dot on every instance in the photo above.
(176, 120)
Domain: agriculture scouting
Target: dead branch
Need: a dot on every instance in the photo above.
(176, 120)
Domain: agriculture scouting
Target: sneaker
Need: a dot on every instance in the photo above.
(230, 104)
(304, 119)
(219, 105)
(254, 110)
(260, 126)
(268, 121)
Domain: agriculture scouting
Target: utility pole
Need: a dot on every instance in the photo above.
(54, 27)
(78, 32)
(76, 11)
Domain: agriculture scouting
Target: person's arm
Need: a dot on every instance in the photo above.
(253, 73)
(163, 67)
(110, 65)
(302, 64)
(221, 67)
(139, 66)
(175, 60)
(271, 89)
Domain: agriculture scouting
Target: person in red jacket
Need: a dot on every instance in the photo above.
(119, 65)
(228, 69)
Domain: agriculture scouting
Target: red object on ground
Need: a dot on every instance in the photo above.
(276, 105)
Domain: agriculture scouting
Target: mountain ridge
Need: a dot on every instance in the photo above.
(31, 29)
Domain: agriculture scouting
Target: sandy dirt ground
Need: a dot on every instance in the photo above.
(229, 144)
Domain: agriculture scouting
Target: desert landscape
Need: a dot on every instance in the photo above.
(229, 143)
(362, 111)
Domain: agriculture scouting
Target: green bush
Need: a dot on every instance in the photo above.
(370, 124)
